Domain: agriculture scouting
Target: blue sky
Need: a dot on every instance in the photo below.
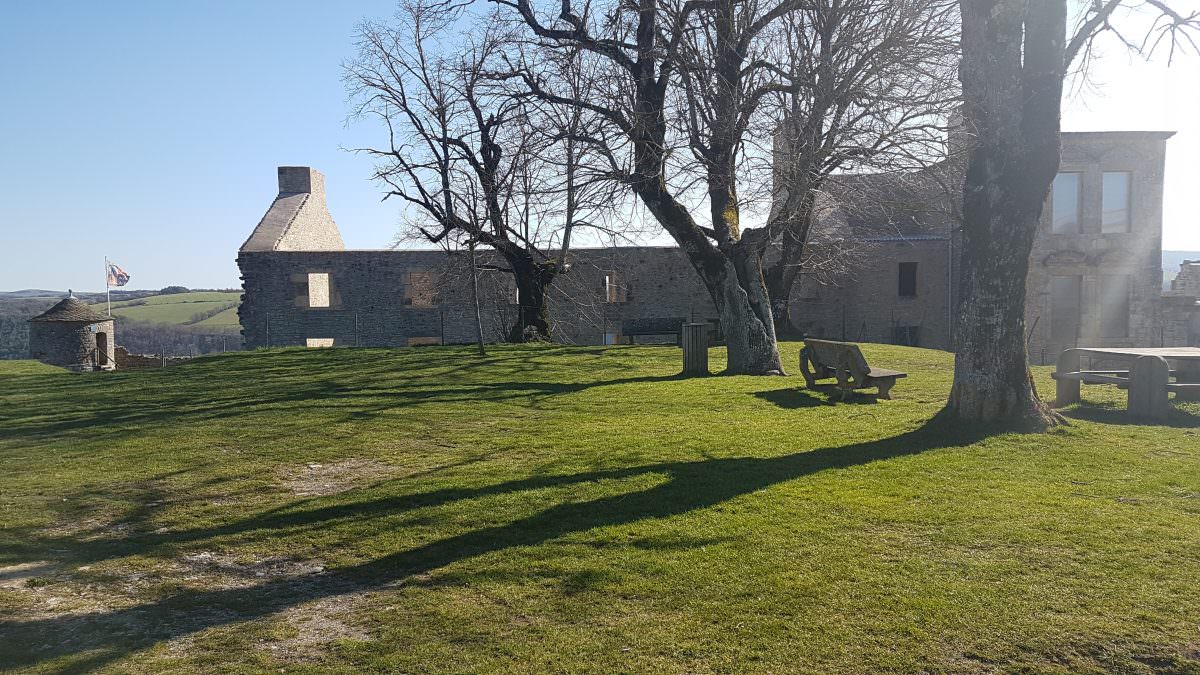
(150, 132)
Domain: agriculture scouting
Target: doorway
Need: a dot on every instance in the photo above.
(102, 349)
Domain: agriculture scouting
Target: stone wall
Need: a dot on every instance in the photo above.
(400, 298)
(302, 289)
(127, 361)
(1181, 321)
(70, 344)
(1092, 255)
(863, 303)
(1187, 282)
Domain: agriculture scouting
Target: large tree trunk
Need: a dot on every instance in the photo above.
(746, 317)
(992, 382)
(533, 314)
(1011, 71)
(734, 281)
(781, 275)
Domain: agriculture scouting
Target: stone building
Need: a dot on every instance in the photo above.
(1095, 272)
(1095, 277)
(73, 335)
(303, 288)
(889, 242)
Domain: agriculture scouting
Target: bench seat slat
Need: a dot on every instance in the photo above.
(1091, 378)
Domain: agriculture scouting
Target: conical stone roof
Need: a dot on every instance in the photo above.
(71, 309)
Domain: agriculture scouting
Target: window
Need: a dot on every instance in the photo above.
(908, 280)
(318, 342)
(612, 292)
(318, 289)
(1114, 306)
(420, 287)
(1065, 203)
(1114, 209)
(1065, 308)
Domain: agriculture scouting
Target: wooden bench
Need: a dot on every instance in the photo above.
(652, 327)
(824, 359)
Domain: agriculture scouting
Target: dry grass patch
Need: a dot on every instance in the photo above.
(321, 480)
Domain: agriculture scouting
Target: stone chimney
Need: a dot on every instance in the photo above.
(299, 218)
(294, 179)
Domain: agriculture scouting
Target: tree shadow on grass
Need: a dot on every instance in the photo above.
(792, 398)
(82, 642)
(106, 413)
(1113, 413)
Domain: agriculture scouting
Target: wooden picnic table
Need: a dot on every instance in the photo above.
(1146, 373)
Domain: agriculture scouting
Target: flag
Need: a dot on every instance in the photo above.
(116, 275)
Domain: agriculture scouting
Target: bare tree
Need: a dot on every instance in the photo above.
(682, 75)
(473, 159)
(1016, 54)
(871, 82)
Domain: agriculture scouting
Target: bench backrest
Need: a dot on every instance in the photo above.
(652, 326)
(839, 356)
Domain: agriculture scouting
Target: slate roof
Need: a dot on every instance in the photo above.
(909, 205)
(71, 309)
(276, 222)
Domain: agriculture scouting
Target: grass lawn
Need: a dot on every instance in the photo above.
(578, 509)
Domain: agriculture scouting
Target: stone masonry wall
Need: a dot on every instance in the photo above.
(67, 343)
(1187, 282)
(1091, 254)
(864, 304)
(383, 298)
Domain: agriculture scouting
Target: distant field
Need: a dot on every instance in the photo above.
(227, 318)
(182, 309)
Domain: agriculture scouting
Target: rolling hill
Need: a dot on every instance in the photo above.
(212, 309)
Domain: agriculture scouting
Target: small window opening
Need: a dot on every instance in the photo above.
(1114, 214)
(318, 289)
(420, 289)
(908, 280)
(612, 291)
(1114, 306)
(1065, 315)
(1065, 203)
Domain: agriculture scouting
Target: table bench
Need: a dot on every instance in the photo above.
(824, 359)
(1148, 379)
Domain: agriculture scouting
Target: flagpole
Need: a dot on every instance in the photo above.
(107, 288)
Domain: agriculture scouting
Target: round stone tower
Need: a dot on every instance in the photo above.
(73, 335)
